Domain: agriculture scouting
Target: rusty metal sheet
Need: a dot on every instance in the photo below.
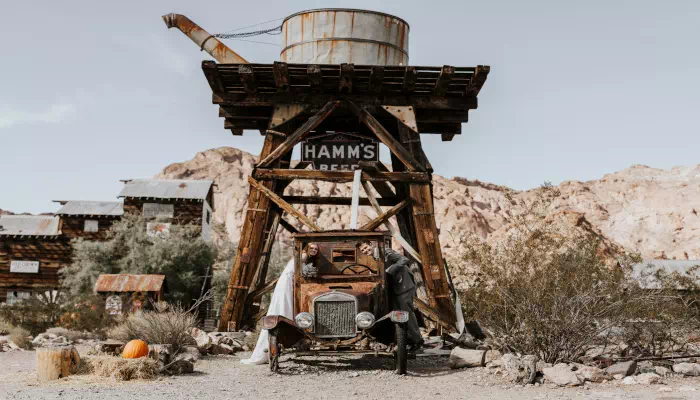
(79, 207)
(29, 225)
(335, 36)
(129, 283)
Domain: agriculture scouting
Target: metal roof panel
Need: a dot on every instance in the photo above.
(79, 207)
(29, 225)
(129, 283)
(167, 189)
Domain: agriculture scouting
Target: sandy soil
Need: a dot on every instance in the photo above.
(317, 378)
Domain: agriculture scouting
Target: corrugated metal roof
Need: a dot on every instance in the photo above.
(129, 283)
(167, 189)
(29, 225)
(641, 271)
(79, 207)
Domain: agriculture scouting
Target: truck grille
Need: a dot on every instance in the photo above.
(335, 318)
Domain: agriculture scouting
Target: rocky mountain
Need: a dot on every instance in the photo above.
(646, 210)
(5, 212)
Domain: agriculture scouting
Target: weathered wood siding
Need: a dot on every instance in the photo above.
(74, 227)
(52, 254)
(185, 211)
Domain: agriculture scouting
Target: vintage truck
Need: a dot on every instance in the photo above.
(344, 307)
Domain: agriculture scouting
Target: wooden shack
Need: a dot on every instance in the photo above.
(89, 220)
(32, 251)
(128, 293)
(166, 202)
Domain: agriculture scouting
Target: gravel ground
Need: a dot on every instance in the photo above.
(316, 378)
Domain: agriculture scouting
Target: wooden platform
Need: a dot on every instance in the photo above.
(440, 96)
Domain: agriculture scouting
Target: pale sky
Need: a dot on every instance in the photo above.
(93, 91)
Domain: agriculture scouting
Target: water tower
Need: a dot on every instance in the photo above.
(344, 75)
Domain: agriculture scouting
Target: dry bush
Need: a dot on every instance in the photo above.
(19, 337)
(5, 327)
(556, 290)
(121, 369)
(172, 326)
(35, 314)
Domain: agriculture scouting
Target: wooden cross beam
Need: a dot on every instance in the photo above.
(383, 188)
(394, 146)
(300, 133)
(315, 78)
(340, 176)
(376, 77)
(338, 201)
(280, 72)
(283, 204)
(443, 80)
(384, 217)
(267, 288)
(247, 78)
(289, 227)
(346, 73)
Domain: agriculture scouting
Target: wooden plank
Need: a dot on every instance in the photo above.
(384, 217)
(383, 188)
(447, 137)
(339, 176)
(338, 201)
(443, 80)
(261, 274)
(212, 75)
(267, 288)
(247, 78)
(477, 81)
(289, 227)
(394, 232)
(280, 71)
(411, 140)
(434, 314)
(409, 79)
(346, 73)
(386, 138)
(283, 204)
(376, 77)
(354, 206)
(300, 133)
(315, 78)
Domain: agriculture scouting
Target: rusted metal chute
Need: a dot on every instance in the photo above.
(203, 39)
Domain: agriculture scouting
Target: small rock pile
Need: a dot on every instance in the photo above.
(49, 339)
(7, 345)
(216, 343)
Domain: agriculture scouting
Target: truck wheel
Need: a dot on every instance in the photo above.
(274, 351)
(401, 355)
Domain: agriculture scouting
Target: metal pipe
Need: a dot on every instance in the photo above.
(203, 39)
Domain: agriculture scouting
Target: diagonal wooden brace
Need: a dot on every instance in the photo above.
(300, 133)
(283, 204)
(382, 134)
(383, 217)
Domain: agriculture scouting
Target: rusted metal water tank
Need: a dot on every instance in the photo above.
(339, 35)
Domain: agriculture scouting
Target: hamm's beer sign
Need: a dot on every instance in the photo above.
(339, 152)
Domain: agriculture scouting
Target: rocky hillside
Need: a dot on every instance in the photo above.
(650, 211)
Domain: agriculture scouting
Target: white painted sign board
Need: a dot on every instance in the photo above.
(24, 267)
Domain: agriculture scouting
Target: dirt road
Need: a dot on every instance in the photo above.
(223, 377)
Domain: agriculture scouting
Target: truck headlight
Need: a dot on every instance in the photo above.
(399, 316)
(364, 320)
(304, 320)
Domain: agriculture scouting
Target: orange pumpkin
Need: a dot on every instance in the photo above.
(135, 349)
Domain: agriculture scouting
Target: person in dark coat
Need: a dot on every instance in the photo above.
(403, 289)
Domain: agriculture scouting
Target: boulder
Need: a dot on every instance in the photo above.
(190, 353)
(687, 369)
(160, 352)
(591, 374)
(217, 349)
(179, 367)
(662, 371)
(112, 347)
(204, 341)
(648, 378)
(511, 362)
(562, 375)
(492, 356)
(629, 380)
(625, 368)
(466, 358)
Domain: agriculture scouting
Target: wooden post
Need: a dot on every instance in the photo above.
(56, 362)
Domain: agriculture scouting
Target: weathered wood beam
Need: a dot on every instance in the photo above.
(376, 77)
(346, 73)
(443, 80)
(340, 176)
(409, 79)
(394, 146)
(280, 71)
(447, 137)
(269, 287)
(300, 133)
(383, 188)
(247, 78)
(289, 227)
(338, 201)
(384, 217)
(315, 78)
(433, 314)
(319, 99)
(283, 204)
(302, 165)
(355, 203)
(477, 80)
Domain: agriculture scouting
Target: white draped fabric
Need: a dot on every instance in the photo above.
(282, 303)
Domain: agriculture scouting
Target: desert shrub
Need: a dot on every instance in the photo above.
(556, 290)
(19, 337)
(182, 256)
(172, 326)
(85, 314)
(35, 314)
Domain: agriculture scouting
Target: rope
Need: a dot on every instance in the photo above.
(272, 31)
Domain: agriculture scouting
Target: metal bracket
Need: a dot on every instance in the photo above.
(405, 114)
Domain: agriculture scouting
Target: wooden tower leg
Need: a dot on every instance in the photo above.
(249, 249)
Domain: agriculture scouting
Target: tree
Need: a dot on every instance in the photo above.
(181, 255)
